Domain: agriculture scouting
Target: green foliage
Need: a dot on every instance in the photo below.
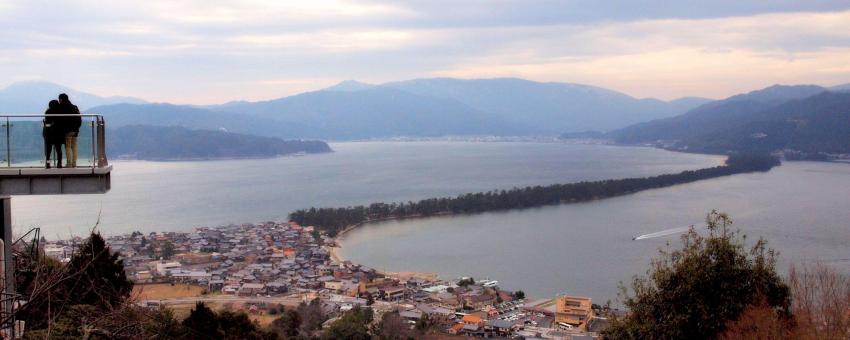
(353, 325)
(692, 292)
(423, 323)
(237, 326)
(167, 250)
(163, 326)
(312, 316)
(288, 324)
(96, 275)
(391, 327)
(334, 220)
(203, 322)
(94, 279)
(519, 295)
(466, 282)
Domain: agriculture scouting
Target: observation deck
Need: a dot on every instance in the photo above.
(23, 168)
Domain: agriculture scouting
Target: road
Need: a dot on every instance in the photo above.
(291, 301)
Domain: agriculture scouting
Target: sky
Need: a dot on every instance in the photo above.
(206, 52)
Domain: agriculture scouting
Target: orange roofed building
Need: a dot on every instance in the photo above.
(573, 310)
(470, 319)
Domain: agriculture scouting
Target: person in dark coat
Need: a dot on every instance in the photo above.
(54, 133)
(71, 126)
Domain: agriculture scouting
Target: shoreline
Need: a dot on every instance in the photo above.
(337, 258)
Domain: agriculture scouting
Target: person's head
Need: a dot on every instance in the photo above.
(63, 98)
(53, 104)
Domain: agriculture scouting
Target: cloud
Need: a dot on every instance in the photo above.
(674, 57)
(213, 51)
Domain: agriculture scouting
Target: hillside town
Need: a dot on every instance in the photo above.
(284, 263)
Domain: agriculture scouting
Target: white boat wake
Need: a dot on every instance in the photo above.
(663, 233)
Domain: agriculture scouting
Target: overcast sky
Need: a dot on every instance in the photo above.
(207, 52)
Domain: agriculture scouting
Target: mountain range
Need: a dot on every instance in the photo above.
(350, 110)
(806, 119)
(447, 106)
(354, 110)
(31, 97)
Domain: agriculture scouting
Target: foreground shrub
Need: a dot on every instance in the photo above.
(692, 292)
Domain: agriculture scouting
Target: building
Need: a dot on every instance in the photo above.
(249, 289)
(573, 310)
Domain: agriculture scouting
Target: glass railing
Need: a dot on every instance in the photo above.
(24, 138)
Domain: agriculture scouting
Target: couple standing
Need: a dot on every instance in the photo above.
(62, 123)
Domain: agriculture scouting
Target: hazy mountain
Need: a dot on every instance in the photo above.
(686, 104)
(551, 107)
(379, 111)
(170, 143)
(713, 116)
(197, 118)
(350, 85)
(807, 119)
(818, 124)
(31, 97)
(841, 88)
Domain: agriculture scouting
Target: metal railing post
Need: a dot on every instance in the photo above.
(101, 141)
(92, 125)
(8, 143)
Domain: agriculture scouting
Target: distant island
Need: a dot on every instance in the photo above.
(335, 220)
(178, 143)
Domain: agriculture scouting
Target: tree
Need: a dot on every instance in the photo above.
(237, 326)
(96, 275)
(312, 316)
(691, 293)
(167, 250)
(519, 295)
(288, 324)
(423, 323)
(163, 325)
(353, 325)
(93, 280)
(391, 327)
(202, 322)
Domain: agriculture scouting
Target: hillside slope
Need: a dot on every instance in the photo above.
(178, 143)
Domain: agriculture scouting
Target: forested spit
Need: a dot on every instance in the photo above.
(333, 220)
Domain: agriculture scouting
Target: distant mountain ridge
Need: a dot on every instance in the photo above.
(355, 110)
(808, 120)
(31, 97)
(713, 115)
(119, 115)
(179, 143)
(377, 112)
(437, 107)
(550, 107)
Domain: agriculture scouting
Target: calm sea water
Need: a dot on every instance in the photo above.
(801, 208)
(162, 196)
